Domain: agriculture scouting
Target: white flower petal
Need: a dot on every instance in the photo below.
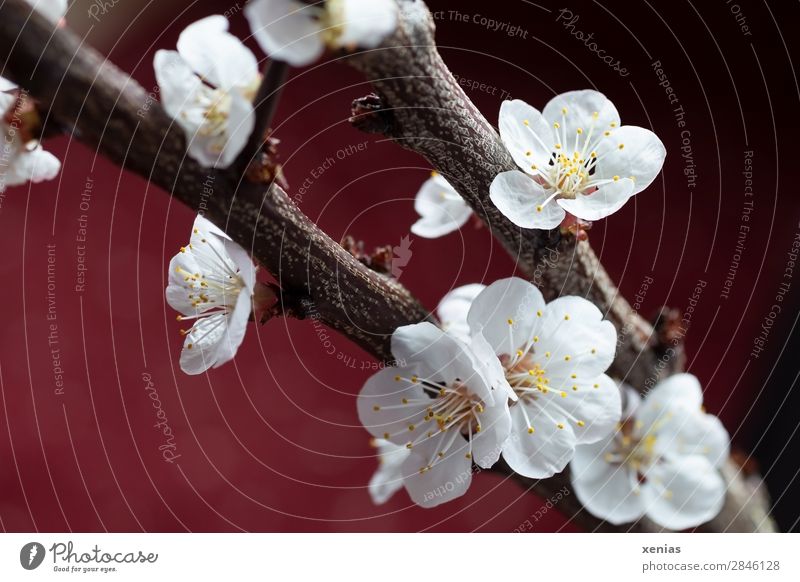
(580, 109)
(542, 453)
(216, 55)
(441, 208)
(605, 490)
(35, 166)
(454, 307)
(523, 201)
(235, 330)
(379, 400)
(604, 201)
(447, 479)
(200, 349)
(684, 492)
(641, 157)
(575, 339)
(365, 23)
(286, 30)
(683, 388)
(6, 85)
(595, 402)
(53, 10)
(495, 429)
(240, 124)
(506, 314)
(530, 143)
(388, 478)
(441, 357)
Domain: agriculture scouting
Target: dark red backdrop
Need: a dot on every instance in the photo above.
(272, 442)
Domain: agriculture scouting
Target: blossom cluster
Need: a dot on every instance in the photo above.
(511, 375)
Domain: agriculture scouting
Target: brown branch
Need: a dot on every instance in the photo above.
(85, 94)
(107, 110)
(423, 108)
(430, 114)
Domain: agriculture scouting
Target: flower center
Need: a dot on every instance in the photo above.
(448, 409)
(568, 174)
(331, 18)
(213, 291)
(637, 452)
(216, 106)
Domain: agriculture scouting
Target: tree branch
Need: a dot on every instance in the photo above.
(107, 110)
(428, 112)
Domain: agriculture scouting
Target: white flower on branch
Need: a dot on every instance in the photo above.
(440, 405)
(212, 282)
(553, 357)
(454, 307)
(22, 160)
(662, 462)
(208, 87)
(442, 210)
(574, 158)
(298, 33)
(53, 10)
(388, 479)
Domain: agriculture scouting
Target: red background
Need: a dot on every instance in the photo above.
(271, 442)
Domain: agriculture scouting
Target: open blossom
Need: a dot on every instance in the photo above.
(442, 210)
(299, 33)
(438, 404)
(388, 478)
(553, 357)
(208, 87)
(22, 160)
(662, 462)
(575, 157)
(211, 283)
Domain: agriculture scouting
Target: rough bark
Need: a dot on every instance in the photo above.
(103, 107)
(425, 110)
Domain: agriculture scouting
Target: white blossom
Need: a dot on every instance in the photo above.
(662, 462)
(299, 33)
(207, 86)
(211, 282)
(442, 210)
(388, 478)
(552, 357)
(21, 160)
(575, 157)
(438, 404)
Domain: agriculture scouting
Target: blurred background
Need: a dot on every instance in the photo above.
(89, 376)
